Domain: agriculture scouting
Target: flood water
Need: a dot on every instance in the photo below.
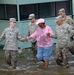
(29, 66)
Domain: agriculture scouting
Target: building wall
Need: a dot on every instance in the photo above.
(36, 1)
(73, 6)
(23, 25)
(26, 1)
(8, 1)
(3, 25)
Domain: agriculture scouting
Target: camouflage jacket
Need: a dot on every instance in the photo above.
(63, 33)
(12, 37)
(31, 29)
(68, 20)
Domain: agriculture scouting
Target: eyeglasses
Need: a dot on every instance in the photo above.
(14, 22)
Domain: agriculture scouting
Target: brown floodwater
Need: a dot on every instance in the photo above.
(29, 66)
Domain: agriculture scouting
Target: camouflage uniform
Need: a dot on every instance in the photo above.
(65, 18)
(62, 34)
(31, 29)
(68, 20)
(11, 45)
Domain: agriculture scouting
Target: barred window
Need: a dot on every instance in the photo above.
(45, 10)
(41, 10)
(7, 11)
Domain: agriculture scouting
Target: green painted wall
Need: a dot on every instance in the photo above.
(8, 1)
(36, 1)
(26, 1)
(23, 26)
(73, 6)
(3, 25)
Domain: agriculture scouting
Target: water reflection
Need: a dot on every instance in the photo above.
(29, 66)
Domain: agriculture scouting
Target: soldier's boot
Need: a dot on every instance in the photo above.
(59, 62)
(65, 63)
(9, 63)
(14, 65)
(34, 53)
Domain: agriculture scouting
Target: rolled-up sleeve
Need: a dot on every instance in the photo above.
(20, 37)
(2, 37)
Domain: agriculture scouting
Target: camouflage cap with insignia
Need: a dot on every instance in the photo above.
(61, 10)
(31, 16)
(12, 20)
(58, 18)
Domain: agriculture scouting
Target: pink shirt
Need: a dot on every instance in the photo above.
(41, 35)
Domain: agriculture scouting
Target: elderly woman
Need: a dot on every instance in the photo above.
(44, 42)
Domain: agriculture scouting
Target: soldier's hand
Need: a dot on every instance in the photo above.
(26, 39)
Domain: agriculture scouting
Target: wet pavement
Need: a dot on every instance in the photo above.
(27, 65)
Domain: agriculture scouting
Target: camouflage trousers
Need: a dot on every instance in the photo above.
(34, 48)
(61, 54)
(71, 46)
(11, 57)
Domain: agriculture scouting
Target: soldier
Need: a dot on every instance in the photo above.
(32, 26)
(66, 18)
(12, 35)
(62, 34)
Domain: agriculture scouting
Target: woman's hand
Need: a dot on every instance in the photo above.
(48, 34)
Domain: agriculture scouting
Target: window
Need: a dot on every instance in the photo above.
(25, 10)
(64, 4)
(2, 12)
(11, 11)
(41, 10)
(7, 11)
(44, 10)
